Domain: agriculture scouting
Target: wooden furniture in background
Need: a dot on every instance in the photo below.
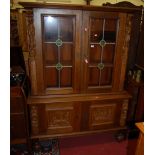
(140, 143)
(18, 107)
(136, 108)
(77, 62)
(14, 29)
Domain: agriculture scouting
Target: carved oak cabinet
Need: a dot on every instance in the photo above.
(77, 64)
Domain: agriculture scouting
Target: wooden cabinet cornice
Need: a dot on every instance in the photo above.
(109, 8)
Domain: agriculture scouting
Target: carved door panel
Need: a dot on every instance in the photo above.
(60, 118)
(57, 50)
(55, 118)
(107, 114)
(104, 51)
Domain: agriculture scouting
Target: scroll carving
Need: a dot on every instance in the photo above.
(124, 113)
(34, 119)
(32, 52)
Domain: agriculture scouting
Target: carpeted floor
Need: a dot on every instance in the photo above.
(48, 147)
(98, 144)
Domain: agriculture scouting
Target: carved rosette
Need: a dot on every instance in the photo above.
(124, 113)
(32, 52)
(34, 119)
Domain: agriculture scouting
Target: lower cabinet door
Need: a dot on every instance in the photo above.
(107, 114)
(55, 118)
(60, 118)
(72, 117)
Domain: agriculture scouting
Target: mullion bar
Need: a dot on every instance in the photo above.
(102, 51)
(58, 53)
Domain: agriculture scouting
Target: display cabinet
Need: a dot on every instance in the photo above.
(77, 62)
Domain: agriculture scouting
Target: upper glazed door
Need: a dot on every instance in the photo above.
(57, 50)
(104, 56)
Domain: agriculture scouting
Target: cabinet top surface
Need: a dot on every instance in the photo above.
(31, 5)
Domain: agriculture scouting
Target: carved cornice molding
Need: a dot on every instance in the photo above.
(124, 4)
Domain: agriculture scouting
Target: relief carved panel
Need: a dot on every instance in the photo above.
(60, 119)
(124, 113)
(102, 114)
(32, 53)
(34, 119)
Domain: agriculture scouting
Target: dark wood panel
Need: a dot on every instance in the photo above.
(66, 77)
(108, 53)
(51, 77)
(19, 130)
(50, 53)
(67, 54)
(93, 77)
(106, 76)
(16, 105)
(139, 115)
(95, 53)
(18, 127)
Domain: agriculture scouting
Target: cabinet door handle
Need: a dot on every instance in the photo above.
(86, 59)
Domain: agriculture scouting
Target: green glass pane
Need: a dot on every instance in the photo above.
(102, 43)
(100, 66)
(59, 66)
(58, 42)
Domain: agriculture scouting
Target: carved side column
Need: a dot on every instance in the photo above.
(32, 53)
(124, 113)
(23, 36)
(34, 119)
(124, 54)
